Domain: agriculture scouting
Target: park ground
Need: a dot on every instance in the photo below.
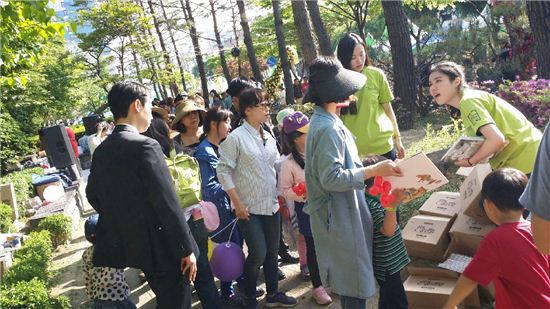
(69, 280)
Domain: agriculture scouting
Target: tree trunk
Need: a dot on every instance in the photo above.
(182, 72)
(136, 63)
(152, 62)
(539, 20)
(219, 42)
(403, 63)
(188, 14)
(285, 64)
(173, 86)
(303, 30)
(325, 45)
(234, 21)
(248, 42)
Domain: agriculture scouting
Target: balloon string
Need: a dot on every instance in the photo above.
(234, 222)
(232, 229)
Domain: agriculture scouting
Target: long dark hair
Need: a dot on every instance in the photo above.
(289, 147)
(159, 131)
(346, 45)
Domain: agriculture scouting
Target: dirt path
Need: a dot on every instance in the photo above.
(69, 280)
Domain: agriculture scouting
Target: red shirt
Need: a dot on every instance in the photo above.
(72, 139)
(508, 257)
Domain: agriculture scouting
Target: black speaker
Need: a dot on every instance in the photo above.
(58, 147)
(89, 124)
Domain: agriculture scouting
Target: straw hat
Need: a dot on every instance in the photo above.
(186, 107)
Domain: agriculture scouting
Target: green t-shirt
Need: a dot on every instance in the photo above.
(389, 253)
(371, 126)
(479, 108)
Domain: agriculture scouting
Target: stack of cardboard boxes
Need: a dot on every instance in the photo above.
(448, 223)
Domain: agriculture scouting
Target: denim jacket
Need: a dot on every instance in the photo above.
(212, 189)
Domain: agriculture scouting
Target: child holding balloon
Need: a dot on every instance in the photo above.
(389, 253)
(292, 187)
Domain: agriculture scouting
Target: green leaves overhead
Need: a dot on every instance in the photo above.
(25, 26)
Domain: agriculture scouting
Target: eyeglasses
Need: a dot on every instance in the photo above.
(263, 104)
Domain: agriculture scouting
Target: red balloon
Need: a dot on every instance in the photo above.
(386, 187)
(378, 181)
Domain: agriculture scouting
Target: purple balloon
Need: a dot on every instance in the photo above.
(227, 261)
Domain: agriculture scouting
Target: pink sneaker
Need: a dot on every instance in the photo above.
(321, 296)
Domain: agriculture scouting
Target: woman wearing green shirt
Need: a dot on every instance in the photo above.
(373, 121)
(509, 137)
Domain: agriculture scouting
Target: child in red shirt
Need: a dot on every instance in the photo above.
(507, 256)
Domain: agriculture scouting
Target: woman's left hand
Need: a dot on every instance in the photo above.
(400, 149)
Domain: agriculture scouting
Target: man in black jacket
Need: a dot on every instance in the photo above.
(140, 222)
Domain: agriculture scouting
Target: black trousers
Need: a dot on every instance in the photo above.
(171, 288)
(312, 262)
(392, 293)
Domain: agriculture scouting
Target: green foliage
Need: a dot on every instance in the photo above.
(22, 183)
(14, 142)
(32, 260)
(263, 31)
(25, 26)
(113, 21)
(5, 218)
(437, 139)
(59, 227)
(59, 90)
(31, 294)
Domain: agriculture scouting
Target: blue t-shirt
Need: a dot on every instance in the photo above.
(537, 194)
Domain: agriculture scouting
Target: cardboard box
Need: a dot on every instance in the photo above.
(442, 204)
(466, 235)
(466, 225)
(470, 193)
(427, 236)
(431, 287)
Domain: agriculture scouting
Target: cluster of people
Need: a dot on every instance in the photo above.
(348, 242)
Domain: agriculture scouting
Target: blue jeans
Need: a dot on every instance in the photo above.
(348, 302)
(392, 154)
(204, 281)
(261, 234)
(392, 293)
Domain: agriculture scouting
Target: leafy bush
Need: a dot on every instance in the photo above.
(437, 139)
(59, 227)
(531, 97)
(5, 218)
(32, 260)
(30, 294)
(22, 183)
(14, 142)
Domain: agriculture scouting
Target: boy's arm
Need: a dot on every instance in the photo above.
(390, 218)
(390, 223)
(462, 289)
